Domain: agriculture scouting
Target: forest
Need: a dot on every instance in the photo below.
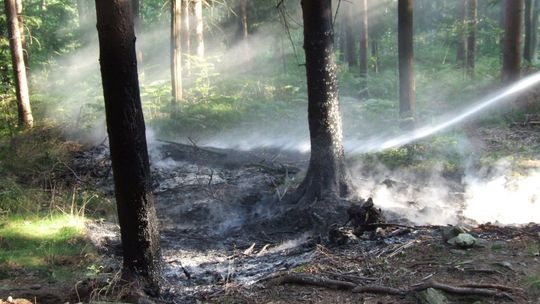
(269, 151)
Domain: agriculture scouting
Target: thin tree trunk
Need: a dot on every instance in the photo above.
(17, 58)
(375, 54)
(531, 28)
(342, 41)
(462, 40)
(81, 12)
(176, 50)
(199, 36)
(23, 36)
(350, 42)
(471, 36)
(244, 19)
(127, 142)
(136, 6)
(512, 40)
(534, 34)
(364, 50)
(185, 38)
(326, 177)
(407, 95)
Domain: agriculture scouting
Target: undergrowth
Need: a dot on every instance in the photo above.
(44, 207)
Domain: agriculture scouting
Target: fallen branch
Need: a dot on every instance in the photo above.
(484, 290)
(305, 279)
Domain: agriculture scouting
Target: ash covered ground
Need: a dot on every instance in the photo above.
(225, 231)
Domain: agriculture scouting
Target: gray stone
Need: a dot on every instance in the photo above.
(431, 296)
(463, 240)
(450, 232)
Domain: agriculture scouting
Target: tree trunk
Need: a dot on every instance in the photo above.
(17, 58)
(471, 36)
(23, 36)
(531, 28)
(350, 42)
(81, 12)
(136, 6)
(342, 41)
(199, 36)
(176, 50)
(407, 95)
(185, 38)
(243, 19)
(326, 177)
(363, 48)
(462, 40)
(512, 40)
(127, 141)
(375, 54)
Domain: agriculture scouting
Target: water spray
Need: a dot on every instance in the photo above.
(376, 145)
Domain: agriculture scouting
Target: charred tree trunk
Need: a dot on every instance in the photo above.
(17, 58)
(176, 51)
(185, 38)
(326, 176)
(199, 35)
(363, 48)
(462, 40)
(407, 96)
(531, 28)
(350, 42)
(471, 35)
(127, 141)
(512, 40)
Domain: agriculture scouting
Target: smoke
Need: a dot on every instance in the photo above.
(503, 197)
(70, 89)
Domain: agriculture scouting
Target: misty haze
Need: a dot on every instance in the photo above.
(287, 151)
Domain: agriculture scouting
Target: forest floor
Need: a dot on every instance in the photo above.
(228, 238)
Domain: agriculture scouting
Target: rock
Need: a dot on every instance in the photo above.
(450, 232)
(463, 240)
(431, 296)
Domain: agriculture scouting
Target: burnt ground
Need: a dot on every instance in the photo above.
(228, 238)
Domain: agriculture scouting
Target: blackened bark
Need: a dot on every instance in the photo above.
(512, 40)
(326, 177)
(471, 35)
(531, 28)
(176, 51)
(26, 119)
(127, 141)
(363, 48)
(407, 95)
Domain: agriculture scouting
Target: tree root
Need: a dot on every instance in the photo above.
(484, 290)
(305, 279)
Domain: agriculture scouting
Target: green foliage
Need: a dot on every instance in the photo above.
(51, 247)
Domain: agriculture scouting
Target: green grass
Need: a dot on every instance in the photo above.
(51, 247)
